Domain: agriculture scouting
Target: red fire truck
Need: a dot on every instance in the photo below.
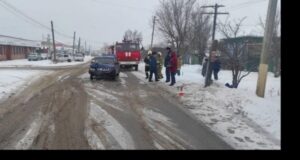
(128, 54)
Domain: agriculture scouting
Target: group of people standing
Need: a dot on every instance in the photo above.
(154, 62)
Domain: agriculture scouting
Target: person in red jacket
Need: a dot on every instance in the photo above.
(173, 68)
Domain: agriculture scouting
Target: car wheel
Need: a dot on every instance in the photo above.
(91, 77)
(136, 68)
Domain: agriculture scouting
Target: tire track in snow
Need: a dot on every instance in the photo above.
(31, 134)
(117, 131)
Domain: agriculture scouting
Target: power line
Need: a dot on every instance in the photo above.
(29, 19)
(123, 6)
(245, 4)
(12, 9)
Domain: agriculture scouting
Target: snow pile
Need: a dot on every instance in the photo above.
(42, 63)
(242, 119)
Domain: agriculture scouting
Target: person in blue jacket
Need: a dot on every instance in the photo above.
(153, 66)
(216, 67)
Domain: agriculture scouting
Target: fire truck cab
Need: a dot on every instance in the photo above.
(128, 54)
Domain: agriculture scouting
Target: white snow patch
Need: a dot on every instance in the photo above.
(93, 139)
(123, 75)
(158, 146)
(123, 82)
(104, 95)
(104, 99)
(52, 128)
(112, 126)
(13, 81)
(153, 117)
(84, 76)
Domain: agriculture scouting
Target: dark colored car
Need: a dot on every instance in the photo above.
(104, 66)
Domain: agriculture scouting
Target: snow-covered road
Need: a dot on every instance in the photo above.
(69, 111)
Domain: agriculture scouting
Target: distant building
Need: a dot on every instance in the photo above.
(251, 51)
(16, 48)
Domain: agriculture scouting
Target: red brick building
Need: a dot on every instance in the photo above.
(16, 48)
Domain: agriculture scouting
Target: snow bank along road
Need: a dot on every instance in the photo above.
(65, 110)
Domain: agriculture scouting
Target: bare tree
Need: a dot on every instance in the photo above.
(174, 22)
(133, 36)
(104, 48)
(200, 32)
(234, 50)
(275, 49)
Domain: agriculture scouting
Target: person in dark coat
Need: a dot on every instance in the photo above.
(147, 66)
(167, 64)
(216, 67)
(173, 67)
(153, 67)
(204, 67)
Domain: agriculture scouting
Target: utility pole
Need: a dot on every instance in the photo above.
(78, 50)
(73, 44)
(53, 39)
(214, 47)
(49, 45)
(154, 20)
(84, 47)
(263, 66)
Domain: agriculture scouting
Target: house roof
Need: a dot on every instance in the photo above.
(253, 39)
(15, 41)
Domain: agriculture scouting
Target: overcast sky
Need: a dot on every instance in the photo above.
(105, 21)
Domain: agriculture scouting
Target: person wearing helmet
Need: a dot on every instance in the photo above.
(147, 63)
(159, 65)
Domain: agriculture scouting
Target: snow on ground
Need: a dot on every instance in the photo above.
(30, 135)
(117, 131)
(42, 63)
(12, 81)
(242, 119)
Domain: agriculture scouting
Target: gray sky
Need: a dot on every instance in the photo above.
(105, 21)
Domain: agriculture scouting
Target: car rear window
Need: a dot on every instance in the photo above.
(104, 60)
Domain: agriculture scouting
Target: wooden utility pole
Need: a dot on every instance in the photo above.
(263, 66)
(53, 39)
(208, 80)
(154, 20)
(84, 47)
(73, 44)
(49, 46)
(78, 50)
